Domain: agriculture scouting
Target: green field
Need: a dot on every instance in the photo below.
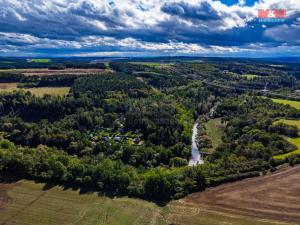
(215, 130)
(294, 104)
(249, 76)
(295, 141)
(39, 60)
(289, 122)
(26, 202)
(154, 64)
(41, 91)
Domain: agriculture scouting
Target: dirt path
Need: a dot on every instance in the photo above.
(275, 196)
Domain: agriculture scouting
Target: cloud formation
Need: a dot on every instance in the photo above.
(143, 27)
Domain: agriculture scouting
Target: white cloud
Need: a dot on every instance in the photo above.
(122, 26)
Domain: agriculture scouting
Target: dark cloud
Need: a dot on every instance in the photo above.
(202, 11)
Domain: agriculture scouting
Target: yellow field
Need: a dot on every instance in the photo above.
(41, 91)
(294, 104)
(26, 203)
(295, 141)
(249, 76)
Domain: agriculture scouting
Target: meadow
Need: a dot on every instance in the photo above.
(215, 130)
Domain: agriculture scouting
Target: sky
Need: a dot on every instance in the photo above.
(141, 28)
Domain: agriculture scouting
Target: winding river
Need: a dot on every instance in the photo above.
(195, 154)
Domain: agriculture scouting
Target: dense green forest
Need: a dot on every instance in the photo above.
(128, 132)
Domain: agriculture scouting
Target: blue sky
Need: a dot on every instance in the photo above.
(44, 28)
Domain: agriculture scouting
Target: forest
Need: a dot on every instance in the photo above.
(128, 132)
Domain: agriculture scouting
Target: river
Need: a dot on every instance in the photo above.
(195, 154)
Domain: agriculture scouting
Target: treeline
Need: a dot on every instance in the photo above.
(162, 81)
(110, 177)
(101, 84)
(38, 81)
(127, 68)
(56, 64)
(77, 65)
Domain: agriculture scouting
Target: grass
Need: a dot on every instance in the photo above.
(294, 104)
(295, 141)
(289, 122)
(41, 91)
(215, 130)
(249, 76)
(39, 60)
(31, 203)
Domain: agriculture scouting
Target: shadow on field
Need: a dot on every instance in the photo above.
(9, 180)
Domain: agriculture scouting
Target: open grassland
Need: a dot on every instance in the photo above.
(39, 60)
(249, 76)
(295, 141)
(41, 91)
(294, 104)
(253, 201)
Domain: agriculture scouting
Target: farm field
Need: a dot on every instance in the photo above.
(258, 197)
(294, 104)
(8, 87)
(45, 71)
(26, 202)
